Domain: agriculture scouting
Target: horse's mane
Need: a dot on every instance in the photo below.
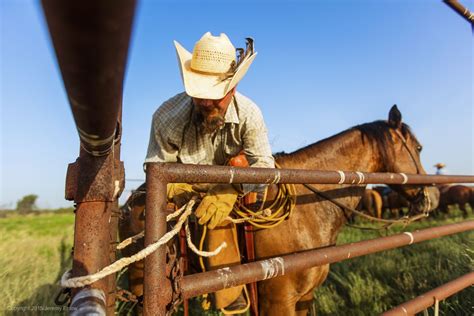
(377, 132)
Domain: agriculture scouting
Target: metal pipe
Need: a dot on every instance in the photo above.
(174, 172)
(461, 10)
(91, 41)
(157, 287)
(430, 298)
(88, 302)
(211, 281)
(91, 237)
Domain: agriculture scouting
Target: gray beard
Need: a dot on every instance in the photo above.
(211, 122)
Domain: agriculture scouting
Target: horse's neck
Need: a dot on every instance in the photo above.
(346, 151)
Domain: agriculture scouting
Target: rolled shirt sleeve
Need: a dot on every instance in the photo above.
(256, 146)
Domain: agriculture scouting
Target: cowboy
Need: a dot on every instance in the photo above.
(208, 124)
(439, 168)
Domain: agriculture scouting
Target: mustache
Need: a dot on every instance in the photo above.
(210, 121)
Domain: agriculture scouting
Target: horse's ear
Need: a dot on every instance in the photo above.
(394, 117)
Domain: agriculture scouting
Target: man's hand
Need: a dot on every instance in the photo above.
(180, 193)
(216, 205)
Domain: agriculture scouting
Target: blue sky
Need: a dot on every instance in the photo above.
(322, 67)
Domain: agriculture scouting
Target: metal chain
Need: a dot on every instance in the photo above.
(126, 296)
(175, 273)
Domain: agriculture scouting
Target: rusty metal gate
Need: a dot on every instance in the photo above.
(91, 40)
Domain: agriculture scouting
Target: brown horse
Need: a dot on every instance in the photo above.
(395, 202)
(381, 146)
(456, 194)
(372, 203)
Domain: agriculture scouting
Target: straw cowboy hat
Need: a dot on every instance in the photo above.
(440, 165)
(212, 69)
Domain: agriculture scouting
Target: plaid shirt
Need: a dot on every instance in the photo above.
(175, 136)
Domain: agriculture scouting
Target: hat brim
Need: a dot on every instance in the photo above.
(207, 86)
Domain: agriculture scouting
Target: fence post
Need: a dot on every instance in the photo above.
(157, 287)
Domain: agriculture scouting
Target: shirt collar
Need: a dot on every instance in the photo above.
(231, 113)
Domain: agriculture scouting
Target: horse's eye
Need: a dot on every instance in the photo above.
(419, 148)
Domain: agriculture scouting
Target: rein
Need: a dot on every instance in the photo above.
(405, 220)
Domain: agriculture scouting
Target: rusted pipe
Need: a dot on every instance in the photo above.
(91, 40)
(461, 10)
(174, 172)
(428, 299)
(157, 287)
(91, 238)
(211, 281)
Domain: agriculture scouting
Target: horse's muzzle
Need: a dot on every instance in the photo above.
(426, 200)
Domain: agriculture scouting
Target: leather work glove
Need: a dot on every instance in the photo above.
(216, 205)
(179, 193)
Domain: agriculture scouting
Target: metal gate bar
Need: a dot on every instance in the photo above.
(211, 281)
(428, 299)
(174, 172)
(158, 288)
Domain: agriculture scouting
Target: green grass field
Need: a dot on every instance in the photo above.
(35, 251)
(372, 284)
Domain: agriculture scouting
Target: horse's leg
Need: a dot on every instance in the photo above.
(462, 207)
(396, 212)
(290, 295)
(277, 297)
(305, 305)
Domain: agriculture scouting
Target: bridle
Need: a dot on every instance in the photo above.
(422, 195)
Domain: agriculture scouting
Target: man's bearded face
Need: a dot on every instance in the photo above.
(210, 118)
(211, 113)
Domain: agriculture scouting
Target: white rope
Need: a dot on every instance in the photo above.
(176, 213)
(405, 178)
(342, 175)
(130, 240)
(412, 238)
(361, 177)
(231, 175)
(240, 220)
(133, 239)
(200, 252)
(123, 262)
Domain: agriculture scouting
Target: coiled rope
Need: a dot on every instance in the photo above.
(271, 216)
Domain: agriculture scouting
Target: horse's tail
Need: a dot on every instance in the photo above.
(377, 200)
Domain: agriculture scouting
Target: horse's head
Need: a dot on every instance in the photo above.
(400, 153)
(403, 156)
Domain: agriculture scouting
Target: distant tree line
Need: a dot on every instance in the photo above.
(27, 204)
